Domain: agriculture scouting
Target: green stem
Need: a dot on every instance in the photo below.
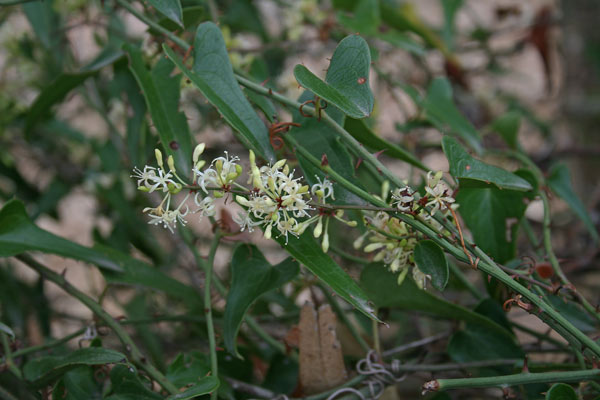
(344, 254)
(134, 353)
(517, 363)
(487, 265)
(48, 345)
(512, 380)
(214, 366)
(252, 323)
(8, 356)
(345, 320)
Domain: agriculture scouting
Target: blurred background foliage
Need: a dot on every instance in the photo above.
(74, 122)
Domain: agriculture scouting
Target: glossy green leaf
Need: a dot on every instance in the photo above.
(170, 9)
(44, 370)
(346, 84)
(127, 386)
(561, 391)
(6, 330)
(430, 259)
(308, 252)
(213, 75)
(560, 183)
(205, 385)
(492, 215)
(18, 235)
(440, 111)
(52, 94)
(463, 166)
(251, 276)
(161, 91)
(507, 125)
(382, 287)
(359, 130)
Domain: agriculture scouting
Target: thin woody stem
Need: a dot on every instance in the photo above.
(134, 352)
(512, 380)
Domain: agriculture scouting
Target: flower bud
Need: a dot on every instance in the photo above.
(385, 187)
(171, 163)
(200, 164)
(325, 243)
(159, 158)
(241, 200)
(279, 164)
(238, 169)
(319, 228)
(197, 152)
(268, 232)
(174, 188)
(143, 189)
(373, 246)
(218, 194)
(357, 244)
(401, 276)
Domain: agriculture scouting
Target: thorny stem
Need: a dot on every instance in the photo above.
(48, 345)
(134, 352)
(487, 265)
(512, 380)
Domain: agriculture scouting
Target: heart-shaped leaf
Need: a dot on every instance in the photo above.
(252, 276)
(213, 75)
(346, 84)
(560, 183)
(430, 259)
(161, 91)
(44, 370)
(170, 9)
(463, 166)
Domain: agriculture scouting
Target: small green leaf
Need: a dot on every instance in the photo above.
(382, 287)
(252, 276)
(560, 183)
(574, 313)
(170, 9)
(507, 125)
(441, 112)
(205, 385)
(561, 391)
(44, 370)
(6, 329)
(161, 91)
(359, 130)
(213, 75)
(346, 84)
(463, 166)
(430, 259)
(492, 215)
(307, 251)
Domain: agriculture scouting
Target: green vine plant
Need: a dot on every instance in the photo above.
(383, 249)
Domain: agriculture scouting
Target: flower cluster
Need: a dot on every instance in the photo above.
(280, 203)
